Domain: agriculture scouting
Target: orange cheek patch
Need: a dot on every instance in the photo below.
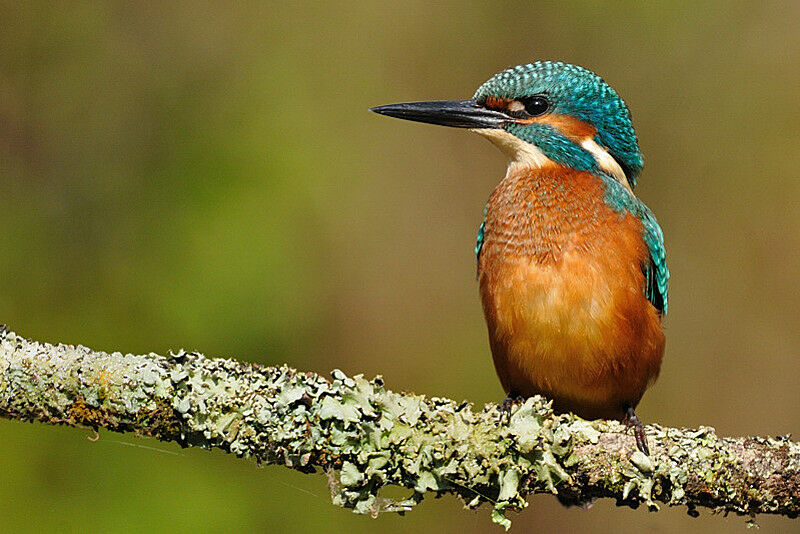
(573, 128)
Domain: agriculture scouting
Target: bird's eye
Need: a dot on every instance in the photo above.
(535, 105)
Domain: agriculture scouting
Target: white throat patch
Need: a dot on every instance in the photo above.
(518, 151)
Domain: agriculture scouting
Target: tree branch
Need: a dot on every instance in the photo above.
(366, 437)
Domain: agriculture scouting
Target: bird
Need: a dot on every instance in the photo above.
(571, 265)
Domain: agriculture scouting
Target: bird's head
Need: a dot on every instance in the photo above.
(544, 113)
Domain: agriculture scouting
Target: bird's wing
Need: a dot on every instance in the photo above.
(655, 271)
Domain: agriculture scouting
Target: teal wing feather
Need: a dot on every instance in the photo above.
(656, 271)
(481, 230)
(479, 243)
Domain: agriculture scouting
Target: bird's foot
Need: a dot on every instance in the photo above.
(505, 407)
(631, 421)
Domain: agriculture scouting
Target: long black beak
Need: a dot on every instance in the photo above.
(455, 113)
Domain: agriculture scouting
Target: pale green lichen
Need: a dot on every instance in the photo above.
(366, 437)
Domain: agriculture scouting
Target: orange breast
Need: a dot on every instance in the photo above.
(563, 292)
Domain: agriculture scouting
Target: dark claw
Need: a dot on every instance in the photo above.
(631, 421)
(505, 407)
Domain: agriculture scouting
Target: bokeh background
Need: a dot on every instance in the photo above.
(206, 175)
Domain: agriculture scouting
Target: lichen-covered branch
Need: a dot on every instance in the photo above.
(365, 436)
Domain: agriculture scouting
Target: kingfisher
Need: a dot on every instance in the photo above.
(571, 264)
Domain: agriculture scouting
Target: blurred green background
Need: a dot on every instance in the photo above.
(207, 175)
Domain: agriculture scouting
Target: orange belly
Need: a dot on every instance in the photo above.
(563, 293)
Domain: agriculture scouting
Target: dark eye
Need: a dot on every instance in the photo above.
(535, 105)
